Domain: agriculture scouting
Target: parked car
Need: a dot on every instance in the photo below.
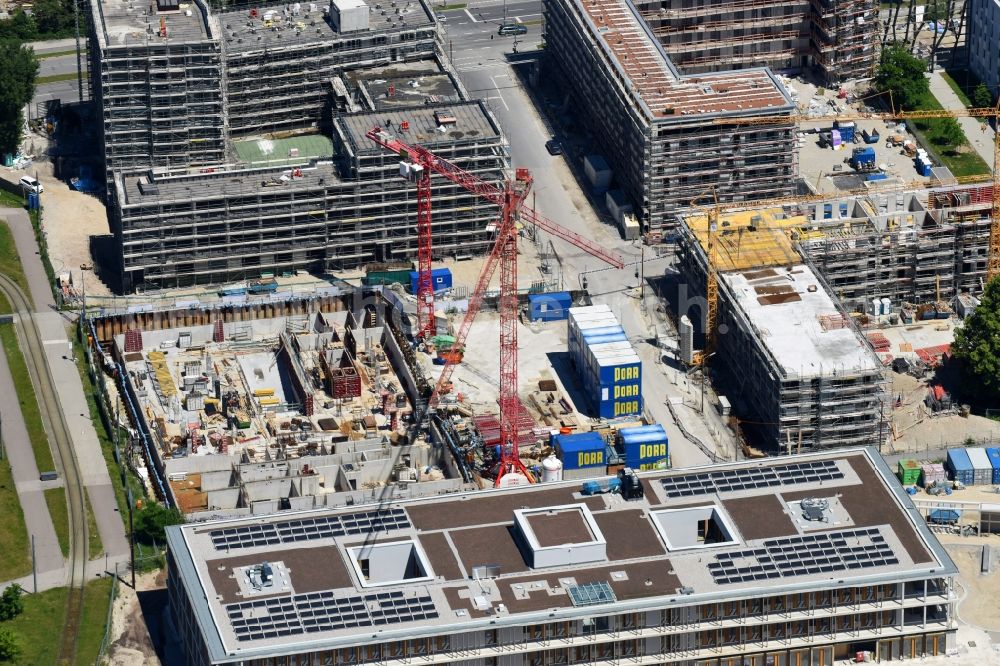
(554, 147)
(512, 29)
(31, 185)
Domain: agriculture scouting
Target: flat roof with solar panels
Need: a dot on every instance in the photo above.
(328, 579)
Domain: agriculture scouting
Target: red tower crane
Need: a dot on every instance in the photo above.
(510, 199)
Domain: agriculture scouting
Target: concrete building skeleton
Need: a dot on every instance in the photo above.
(656, 126)
(785, 561)
(835, 37)
(917, 247)
(178, 87)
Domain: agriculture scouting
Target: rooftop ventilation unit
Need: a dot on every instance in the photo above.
(815, 510)
(261, 576)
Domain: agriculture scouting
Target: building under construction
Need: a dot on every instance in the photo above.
(798, 371)
(669, 137)
(822, 262)
(176, 83)
(335, 211)
(835, 37)
(209, 176)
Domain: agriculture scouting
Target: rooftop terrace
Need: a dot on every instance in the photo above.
(530, 554)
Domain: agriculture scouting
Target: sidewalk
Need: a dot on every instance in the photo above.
(980, 135)
(58, 577)
(52, 327)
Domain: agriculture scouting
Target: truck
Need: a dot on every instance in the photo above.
(262, 286)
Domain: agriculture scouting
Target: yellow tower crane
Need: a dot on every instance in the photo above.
(993, 259)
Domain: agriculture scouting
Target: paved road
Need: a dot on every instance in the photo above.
(980, 135)
(484, 67)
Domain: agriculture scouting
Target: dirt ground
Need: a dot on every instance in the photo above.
(69, 219)
(131, 644)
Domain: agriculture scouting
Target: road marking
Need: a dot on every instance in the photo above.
(55, 342)
(469, 14)
(494, 80)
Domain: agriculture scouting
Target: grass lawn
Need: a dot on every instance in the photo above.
(55, 498)
(96, 599)
(59, 54)
(10, 261)
(26, 396)
(950, 79)
(8, 200)
(56, 78)
(38, 628)
(962, 159)
(14, 542)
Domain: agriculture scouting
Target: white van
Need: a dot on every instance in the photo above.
(32, 185)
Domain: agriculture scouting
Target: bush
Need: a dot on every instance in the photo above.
(982, 97)
(11, 603)
(9, 647)
(151, 522)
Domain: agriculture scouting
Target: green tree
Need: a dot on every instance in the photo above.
(11, 603)
(52, 17)
(981, 96)
(903, 75)
(977, 343)
(18, 71)
(151, 521)
(19, 26)
(9, 647)
(947, 132)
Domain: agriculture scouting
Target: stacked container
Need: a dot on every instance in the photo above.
(909, 472)
(609, 368)
(933, 473)
(645, 447)
(960, 466)
(580, 451)
(982, 469)
(994, 455)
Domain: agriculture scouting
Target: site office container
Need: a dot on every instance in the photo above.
(617, 384)
(549, 307)
(578, 345)
(982, 469)
(579, 316)
(440, 279)
(580, 450)
(993, 453)
(960, 466)
(577, 330)
(908, 472)
(645, 447)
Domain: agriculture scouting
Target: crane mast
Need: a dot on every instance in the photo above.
(510, 199)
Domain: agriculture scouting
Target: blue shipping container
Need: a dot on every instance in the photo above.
(961, 467)
(549, 307)
(846, 129)
(580, 450)
(645, 446)
(613, 409)
(994, 455)
(440, 279)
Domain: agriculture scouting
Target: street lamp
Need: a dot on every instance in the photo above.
(83, 285)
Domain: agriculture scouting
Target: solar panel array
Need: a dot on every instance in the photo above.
(591, 594)
(729, 480)
(324, 611)
(804, 555)
(307, 529)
